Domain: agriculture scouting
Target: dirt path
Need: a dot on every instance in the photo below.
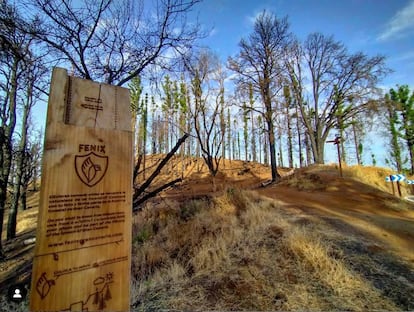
(348, 205)
(377, 230)
(355, 207)
(370, 230)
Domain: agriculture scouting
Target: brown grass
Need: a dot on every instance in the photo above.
(373, 176)
(305, 182)
(243, 252)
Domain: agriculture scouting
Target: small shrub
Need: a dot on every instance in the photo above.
(238, 198)
(190, 208)
(143, 235)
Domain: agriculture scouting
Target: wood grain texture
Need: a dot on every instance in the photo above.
(83, 250)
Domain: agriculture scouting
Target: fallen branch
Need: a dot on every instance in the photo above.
(136, 167)
(266, 183)
(139, 201)
(141, 190)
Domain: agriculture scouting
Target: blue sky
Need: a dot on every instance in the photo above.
(384, 27)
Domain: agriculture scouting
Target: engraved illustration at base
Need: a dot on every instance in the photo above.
(91, 168)
(43, 285)
(97, 300)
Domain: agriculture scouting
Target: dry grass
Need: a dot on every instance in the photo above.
(373, 176)
(242, 252)
(305, 182)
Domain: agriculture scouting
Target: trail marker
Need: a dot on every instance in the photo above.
(336, 142)
(83, 243)
(395, 178)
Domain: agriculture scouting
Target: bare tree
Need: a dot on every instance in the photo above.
(15, 48)
(34, 71)
(258, 63)
(31, 166)
(113, 41)
(208, 102)
(339, 80)
(288, 104)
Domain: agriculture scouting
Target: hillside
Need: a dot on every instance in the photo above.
(314, 241)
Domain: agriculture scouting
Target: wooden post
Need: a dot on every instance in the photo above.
(336, 142)
(83, 247)
(339, 156)
(392, 185)
(399, 188)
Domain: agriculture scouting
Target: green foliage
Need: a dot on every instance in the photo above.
(182, 98)
(143, 110)
(399, 105)
(143, 235)
(288, 97)
(402, 101)
(393, 120)
(360, 149)
(135, 88)
(167, 87)
(245, 129)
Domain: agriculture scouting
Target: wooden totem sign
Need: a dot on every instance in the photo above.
(83, 246)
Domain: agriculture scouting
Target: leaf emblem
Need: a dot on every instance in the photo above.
(89, 169)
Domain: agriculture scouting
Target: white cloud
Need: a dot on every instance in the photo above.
(405, 57)
(400, 24)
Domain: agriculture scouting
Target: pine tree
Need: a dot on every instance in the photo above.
(253, 128)
(299, 135)
(357, 131)
(135, 89)
(167, 108)
(260, 136)
(392, 118)
(143, 131)
(246, 131)
(223, 128)
(229, 141)
(183, 120)
(403, 101)
(288, 105)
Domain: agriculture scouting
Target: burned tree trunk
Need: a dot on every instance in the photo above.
(140, 194)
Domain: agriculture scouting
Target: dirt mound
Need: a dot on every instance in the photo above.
(369, 207)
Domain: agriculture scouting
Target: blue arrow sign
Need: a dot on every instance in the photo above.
(410, 181)
(395, 178)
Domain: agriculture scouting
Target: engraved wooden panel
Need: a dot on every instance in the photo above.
(83, 247)
(86, 101)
